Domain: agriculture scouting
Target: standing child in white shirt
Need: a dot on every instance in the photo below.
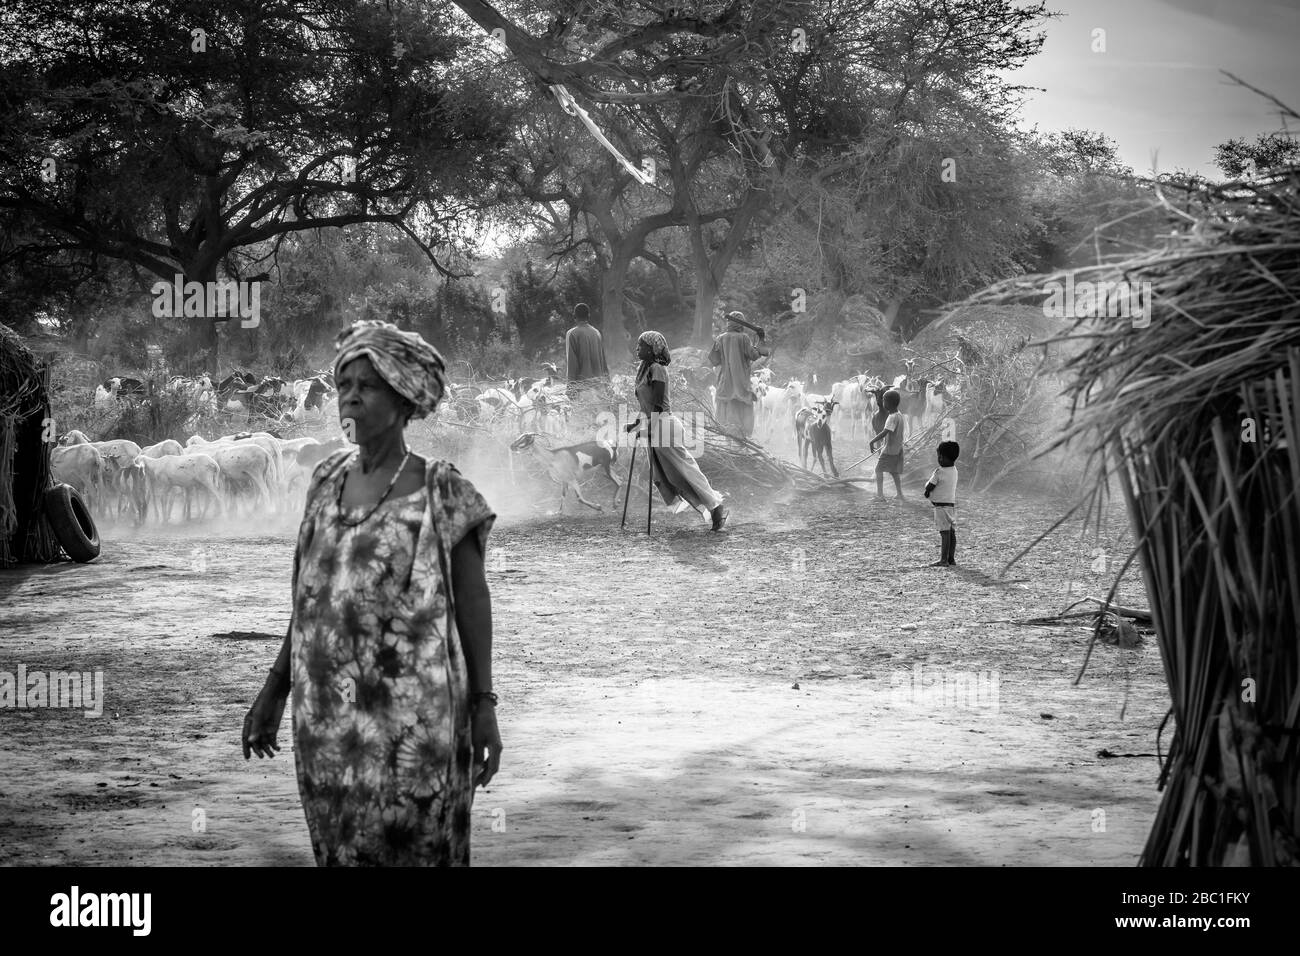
(943, 486)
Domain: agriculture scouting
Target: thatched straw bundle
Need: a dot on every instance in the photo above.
(1196, 417)
(24, 456)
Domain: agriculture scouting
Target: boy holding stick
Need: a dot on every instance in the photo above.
(891, 458)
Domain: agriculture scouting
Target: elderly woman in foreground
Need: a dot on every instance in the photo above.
(390, 640)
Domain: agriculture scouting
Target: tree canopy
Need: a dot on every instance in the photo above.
(192, 137)
(655, 159)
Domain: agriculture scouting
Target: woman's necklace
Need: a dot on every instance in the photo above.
(389, 490)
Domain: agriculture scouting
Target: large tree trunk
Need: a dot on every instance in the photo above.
(212, 342)
(706, 298)
(710, 270)
(706, 284)
(203, 342)
(620, 331)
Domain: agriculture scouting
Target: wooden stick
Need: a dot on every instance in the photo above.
(861, 460)
(1133, 612)
(843, 480)
(630, 465)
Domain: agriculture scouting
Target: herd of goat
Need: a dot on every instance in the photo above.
(544, 404)
(256, 472)
(259, 471)
(269, 397)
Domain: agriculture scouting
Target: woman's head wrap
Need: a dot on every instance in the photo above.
(735, 320)
(658, 346)
(413, 367)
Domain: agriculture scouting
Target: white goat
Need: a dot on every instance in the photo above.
(569, 464)
(186, 473)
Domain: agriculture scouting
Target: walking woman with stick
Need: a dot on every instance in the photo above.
(673, 469)
(389, 650)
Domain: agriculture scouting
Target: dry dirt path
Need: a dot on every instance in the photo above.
(648, 705)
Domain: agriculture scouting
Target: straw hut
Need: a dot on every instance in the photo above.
(25, 535)
(1190, 406)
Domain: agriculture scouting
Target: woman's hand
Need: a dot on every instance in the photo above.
(486, 740)
(263, 723)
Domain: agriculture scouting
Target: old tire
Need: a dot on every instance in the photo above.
(70, 519)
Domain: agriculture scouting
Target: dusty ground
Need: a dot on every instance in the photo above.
(649, 703)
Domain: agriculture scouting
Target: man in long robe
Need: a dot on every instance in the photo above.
(733, 355)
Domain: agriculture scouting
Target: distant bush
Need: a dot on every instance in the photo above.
(161, 415)
(1010, 405)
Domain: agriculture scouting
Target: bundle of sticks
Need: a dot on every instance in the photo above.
(1110, 621)
(732, 457)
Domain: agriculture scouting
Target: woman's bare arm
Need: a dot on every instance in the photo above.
(262, 723)
(474, 621)
(473, 611)
(278, 679)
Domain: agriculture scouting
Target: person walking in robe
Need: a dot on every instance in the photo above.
(734, 354)
(675, 472)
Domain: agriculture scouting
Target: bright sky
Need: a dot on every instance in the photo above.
(1157, 90)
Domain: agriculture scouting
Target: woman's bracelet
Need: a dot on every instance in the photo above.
(483, 695)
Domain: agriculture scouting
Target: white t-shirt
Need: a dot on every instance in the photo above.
(894, 441)
(945, 485)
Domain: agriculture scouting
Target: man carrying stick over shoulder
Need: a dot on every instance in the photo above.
(733, 355)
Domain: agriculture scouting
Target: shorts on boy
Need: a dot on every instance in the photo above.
(890, 464)
(945, 517)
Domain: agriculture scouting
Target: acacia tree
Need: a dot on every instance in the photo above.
(1269, 151)
(578, 199)
(1084, 203)
(668, 60)
(869, 247)
(736, 96)
(190, 137)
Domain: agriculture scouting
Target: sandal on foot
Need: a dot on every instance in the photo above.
(720, 516)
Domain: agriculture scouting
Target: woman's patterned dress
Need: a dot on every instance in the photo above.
(380, 712)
